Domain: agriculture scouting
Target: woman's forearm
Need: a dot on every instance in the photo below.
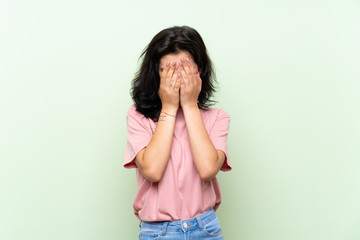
(207, 159)
(153, 159)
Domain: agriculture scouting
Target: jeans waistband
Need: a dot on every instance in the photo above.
(184, 225)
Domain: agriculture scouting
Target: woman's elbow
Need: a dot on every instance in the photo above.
(151, 175)
(210, 170)
(153, 178)
(209, 174)
(151, 172)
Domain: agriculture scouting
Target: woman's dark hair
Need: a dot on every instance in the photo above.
(145, 85)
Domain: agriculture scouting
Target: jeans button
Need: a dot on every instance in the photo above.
(185, 225)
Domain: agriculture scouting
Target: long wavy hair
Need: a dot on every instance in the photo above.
(145, 85)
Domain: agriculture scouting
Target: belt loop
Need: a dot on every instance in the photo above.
(163, 232)
(140, 224)
(201, 225)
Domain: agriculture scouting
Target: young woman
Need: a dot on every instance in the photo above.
(176, 142)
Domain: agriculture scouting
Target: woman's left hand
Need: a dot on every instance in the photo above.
(190, 84)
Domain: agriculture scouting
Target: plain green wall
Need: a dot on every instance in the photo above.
(288, 74)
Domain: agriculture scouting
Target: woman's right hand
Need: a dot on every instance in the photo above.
(153, 159)
(169, 88)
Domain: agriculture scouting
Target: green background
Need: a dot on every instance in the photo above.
(288, 75)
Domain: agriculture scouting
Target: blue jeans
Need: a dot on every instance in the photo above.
(205, 226)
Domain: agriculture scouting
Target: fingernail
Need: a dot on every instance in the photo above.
(174, 64)
(188, 60)
(168, 64)
(182, 60)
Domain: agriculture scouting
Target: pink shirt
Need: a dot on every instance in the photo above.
(181, 193)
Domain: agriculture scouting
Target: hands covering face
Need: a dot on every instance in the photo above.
(180, 84)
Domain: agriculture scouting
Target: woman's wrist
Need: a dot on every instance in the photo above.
(169, 110)
(190, 107)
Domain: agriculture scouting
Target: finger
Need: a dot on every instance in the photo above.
(175, 76)
(177, 84)
(163, 71)
(184, 77)
(182, 84)
(190, 72)
(170, 73)
(190, 69)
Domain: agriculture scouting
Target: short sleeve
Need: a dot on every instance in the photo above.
(138, 136)
(219, 134)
